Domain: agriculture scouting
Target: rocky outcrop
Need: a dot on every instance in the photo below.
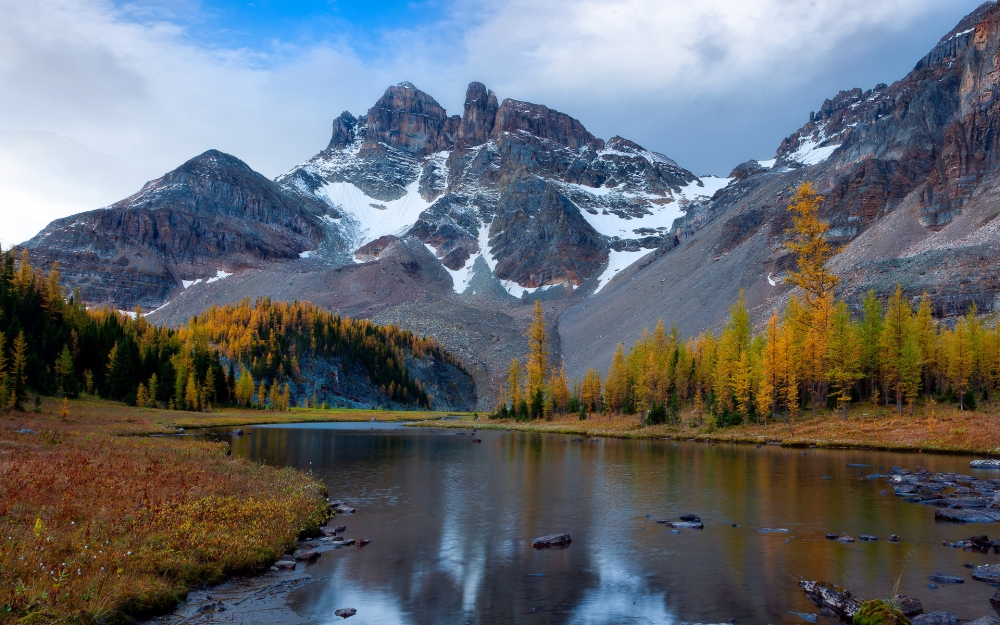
(408, 119)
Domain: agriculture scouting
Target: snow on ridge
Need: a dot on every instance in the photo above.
(618, 262)
(370, 218)
(768, 164)
(220, 274)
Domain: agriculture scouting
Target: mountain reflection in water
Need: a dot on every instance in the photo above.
(450, 522)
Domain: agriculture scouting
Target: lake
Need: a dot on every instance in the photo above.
(450, 522)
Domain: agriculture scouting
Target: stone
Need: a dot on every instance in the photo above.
(908, 605)
(773, 530)
(344, 510)
(995, 601)
(285, 565)
(868, 537)
(987, 573)
(845, 539)
(691, 518)
(989, 619)
(361, 543)
(831, 537)
(840, 601)
(893, 538)
(960, 515)
(691, 525)
(551, 540)
(937, 617)
(345, 612)
(989, 463)
(945, 578)
(306, 555)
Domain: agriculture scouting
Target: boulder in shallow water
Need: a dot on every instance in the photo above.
(345, 612)
(995, 601)
(989, 463)
(937, 617)
(961, 515)
(690, 518)
(551, 540)
(306, 555)
(987, 573)
(846, 539)
(908, 605)
(688, 525)
(989, 619)
(945, 578)
(840, 601)
(893, 538)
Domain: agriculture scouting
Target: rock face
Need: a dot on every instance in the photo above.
(211, 213)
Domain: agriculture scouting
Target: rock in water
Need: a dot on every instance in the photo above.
(987, 573)
(690, 518)
(345, 612)
(962, 515)
(806, 616)
(995, 601)
(690, 525)
(893, 538)
(837, 600)
(552, 540)
(306, 555)
(908, 605)
(985, 464)
(845, 539)
(938, 617)
(989, 619)
(868, 538)
(945, 578)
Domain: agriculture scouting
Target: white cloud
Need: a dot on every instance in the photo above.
(132, 82)
(675, 48)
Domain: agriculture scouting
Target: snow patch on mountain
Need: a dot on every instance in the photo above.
(618, 262)
(368, 218)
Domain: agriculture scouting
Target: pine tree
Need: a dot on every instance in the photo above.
(809, 244)
(616, 387)
(870, 335)
(894, 335)
(537, 352)
(961, 359)
(771, 366)
(191, 393)
(153, 390)
(19, 366)
(844, 355)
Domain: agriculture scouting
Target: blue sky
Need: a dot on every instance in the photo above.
(148, 84)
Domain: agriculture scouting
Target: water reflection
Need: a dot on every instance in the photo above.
(450, 521)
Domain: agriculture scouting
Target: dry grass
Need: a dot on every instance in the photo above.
(943, 429)
(97, 528)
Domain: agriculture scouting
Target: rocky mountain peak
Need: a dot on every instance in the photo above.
(479, 116)
(409, 119)
(543, 122)
(344, 128)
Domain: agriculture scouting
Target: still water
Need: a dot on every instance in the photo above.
(450, 522)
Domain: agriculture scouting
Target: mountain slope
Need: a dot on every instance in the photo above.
(211, 214)
(909, 172)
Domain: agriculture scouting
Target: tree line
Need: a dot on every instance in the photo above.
(815, 354)
(243, 354)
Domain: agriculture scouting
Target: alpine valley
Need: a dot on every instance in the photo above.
(448, 225)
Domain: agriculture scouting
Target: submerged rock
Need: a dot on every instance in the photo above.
(961, 515)
(893, 538)
(345, 612)
(840, 601)
(846, 539)
(945, 578)
(989, 619)
(937, 617)
(551, 540)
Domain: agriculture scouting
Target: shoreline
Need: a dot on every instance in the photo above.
(969, 434)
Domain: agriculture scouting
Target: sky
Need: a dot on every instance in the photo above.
(99, 96)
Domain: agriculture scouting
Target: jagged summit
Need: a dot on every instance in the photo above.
(525, 188)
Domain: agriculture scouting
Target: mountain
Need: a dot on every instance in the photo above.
(212, 212)
(909, 172)
(448, 224)
(437, 223)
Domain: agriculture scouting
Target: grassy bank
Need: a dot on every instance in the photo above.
(98, 527)
(943, 429)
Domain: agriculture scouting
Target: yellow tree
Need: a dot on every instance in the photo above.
(809, 244)
(961, 359)
(616, 387)
(590, 390)
(895, 332)
(844, 354)
(771, 367)
(537, 353)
